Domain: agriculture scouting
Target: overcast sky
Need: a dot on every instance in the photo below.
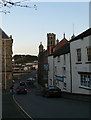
(29, 27)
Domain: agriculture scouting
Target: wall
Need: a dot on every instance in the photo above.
(6, 63)
(79, 67)
(59, 72)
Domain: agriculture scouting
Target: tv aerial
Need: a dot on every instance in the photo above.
(8, 4)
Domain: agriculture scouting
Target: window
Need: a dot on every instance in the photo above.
(64, 59)
(51, 38)
(51, 42)
(85, 80)
(58, 58)
(78, 54)
(64, 85)
(50, 81)
(55, 69)
(89, 53)
(64, 70)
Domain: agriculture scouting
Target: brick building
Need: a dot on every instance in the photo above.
(5, 59)
(43, 59)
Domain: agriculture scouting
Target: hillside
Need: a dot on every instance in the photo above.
(20, 59)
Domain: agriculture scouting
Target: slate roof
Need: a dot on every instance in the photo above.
(63, 50)
(82, 35)
(3, 34)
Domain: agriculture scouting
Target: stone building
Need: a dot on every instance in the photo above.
(5, 59)
(43, 59)
(42, 64)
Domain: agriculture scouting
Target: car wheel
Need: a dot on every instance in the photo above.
(47, 95)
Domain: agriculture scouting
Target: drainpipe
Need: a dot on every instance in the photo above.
(70, 72)
(53, 72)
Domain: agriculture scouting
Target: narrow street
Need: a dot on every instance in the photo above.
(38, 106)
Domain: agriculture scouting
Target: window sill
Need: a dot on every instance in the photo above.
(89, 62)
(79, 63)
(83, 87)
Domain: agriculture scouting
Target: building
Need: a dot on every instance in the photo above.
(42, 66)
(59, 66)
(60, 44)
(43, 59)
(80, 49)
(51, 39)
(62, 68)
(6, 59)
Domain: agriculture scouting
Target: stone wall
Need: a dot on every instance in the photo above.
(6, 63)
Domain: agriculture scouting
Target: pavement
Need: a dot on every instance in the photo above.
(10, 110)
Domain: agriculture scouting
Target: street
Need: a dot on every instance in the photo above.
(38, 106)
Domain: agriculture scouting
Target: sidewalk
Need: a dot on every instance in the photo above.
(10, 111)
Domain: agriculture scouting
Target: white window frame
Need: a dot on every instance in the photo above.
(85, 80)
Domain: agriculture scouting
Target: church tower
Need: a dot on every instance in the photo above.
(51, 38)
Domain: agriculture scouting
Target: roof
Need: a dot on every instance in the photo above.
(63, 50)
(82, 35)
(3, 34)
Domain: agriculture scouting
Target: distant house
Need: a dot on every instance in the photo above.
(80, 48)
(6, 59)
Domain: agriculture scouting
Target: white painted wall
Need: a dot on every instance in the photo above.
(59, 71)
(81, 43)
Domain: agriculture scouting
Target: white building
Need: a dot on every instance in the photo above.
(62, 68)
(80, 48)
(59, 68)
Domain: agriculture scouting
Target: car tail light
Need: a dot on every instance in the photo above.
(25, 89)
(17, 90)
(50, 91)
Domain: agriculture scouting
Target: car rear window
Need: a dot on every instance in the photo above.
(21, 87)
(53, 87)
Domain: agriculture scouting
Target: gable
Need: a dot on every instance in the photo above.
(3, 35)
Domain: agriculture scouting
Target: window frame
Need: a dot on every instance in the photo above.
(79, 57)
(88, 55)
(85, 80)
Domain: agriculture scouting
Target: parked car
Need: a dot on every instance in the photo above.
(51, 91)
(22, 83)
(30, 79)
(21, 90)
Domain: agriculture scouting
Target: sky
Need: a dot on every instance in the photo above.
(29, 27)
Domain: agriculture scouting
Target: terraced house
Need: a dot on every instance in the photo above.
(80, 50)
(5, 60)
(70, 65)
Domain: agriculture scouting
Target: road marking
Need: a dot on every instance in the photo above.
(21, 108)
